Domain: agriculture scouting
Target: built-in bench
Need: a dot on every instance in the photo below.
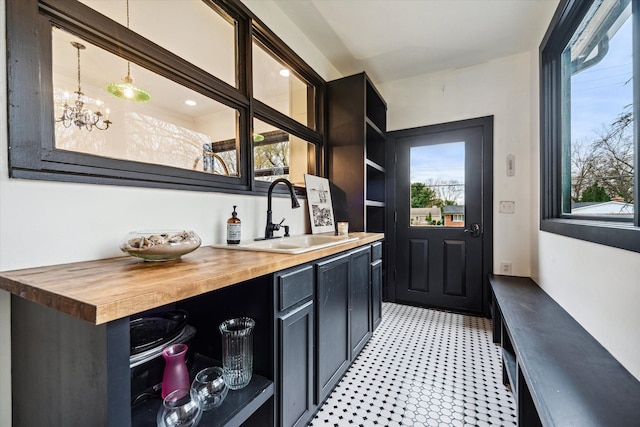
(559, 374)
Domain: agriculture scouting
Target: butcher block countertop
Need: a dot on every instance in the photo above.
(109, 289)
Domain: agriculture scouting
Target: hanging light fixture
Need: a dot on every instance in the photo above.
(126, 89)
(77, 114)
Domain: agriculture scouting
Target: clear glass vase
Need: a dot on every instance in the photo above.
(237, 351)
(181, 407)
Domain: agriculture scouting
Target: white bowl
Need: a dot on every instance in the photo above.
(160, 245)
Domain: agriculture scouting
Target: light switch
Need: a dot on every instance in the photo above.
(507, 206)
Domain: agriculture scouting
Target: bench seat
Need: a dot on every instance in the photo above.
(560, 375)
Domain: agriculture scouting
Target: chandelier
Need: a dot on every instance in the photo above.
(77, 114)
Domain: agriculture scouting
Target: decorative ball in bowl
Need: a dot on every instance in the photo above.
(160, 245)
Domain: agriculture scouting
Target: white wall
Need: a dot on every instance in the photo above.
(44, 223)
(600, 287)
(500, 88)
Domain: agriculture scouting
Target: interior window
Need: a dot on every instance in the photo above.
(175, 126)
(278, 154)
(155, 94)
(199, 33)
(598, 137)
(280, 87)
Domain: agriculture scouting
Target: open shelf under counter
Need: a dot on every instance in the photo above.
(236, 408)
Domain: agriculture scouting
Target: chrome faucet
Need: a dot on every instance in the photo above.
(271, 227)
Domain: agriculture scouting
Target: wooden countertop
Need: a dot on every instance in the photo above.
(109, 289)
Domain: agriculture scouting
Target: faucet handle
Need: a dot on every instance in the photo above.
(276, 227)
(286, 231)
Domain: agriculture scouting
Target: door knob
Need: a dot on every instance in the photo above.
(474, 230)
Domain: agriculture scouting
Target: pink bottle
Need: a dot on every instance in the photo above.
(176, 374)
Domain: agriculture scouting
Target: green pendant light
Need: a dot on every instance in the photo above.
(126, 89)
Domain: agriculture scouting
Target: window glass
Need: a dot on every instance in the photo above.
(176, 127)
(437, 185)
(597, 123)
(275, 84)
(195, 32)
(277, 154)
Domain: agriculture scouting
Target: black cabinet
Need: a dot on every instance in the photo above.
(359, 300)
(332, 299)
(376, 285)
(324, 316)
(376, 294)
(295, 393)
(294, 359)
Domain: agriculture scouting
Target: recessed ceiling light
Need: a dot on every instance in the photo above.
(284, 72)
(190, 103)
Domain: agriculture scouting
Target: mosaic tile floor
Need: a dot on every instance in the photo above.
(423, 368)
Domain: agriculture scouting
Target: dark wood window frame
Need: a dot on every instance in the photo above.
(623, 235)
(32, 152)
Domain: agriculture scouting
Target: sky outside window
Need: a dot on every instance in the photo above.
(601, 114)
(439, 166)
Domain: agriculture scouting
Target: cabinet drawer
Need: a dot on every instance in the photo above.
(376, 251)
(294, 287)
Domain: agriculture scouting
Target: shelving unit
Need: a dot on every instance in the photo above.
(357, 118)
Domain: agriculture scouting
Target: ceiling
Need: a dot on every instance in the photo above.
(398, 39)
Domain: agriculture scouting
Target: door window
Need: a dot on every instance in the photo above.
(437, 185)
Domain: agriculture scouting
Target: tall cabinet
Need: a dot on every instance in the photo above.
(357, 122)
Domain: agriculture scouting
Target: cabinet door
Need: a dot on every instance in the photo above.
(295, 347)
(376, 293)
(332, 317)
(359, 300)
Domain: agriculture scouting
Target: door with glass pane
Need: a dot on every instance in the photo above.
(439, 218)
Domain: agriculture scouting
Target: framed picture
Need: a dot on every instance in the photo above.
(319, 202)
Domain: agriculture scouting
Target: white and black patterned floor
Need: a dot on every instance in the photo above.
(423, 368)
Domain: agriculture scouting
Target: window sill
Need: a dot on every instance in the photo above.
(615, 234)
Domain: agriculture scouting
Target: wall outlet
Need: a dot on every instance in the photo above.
(505, 268)
(507, 206)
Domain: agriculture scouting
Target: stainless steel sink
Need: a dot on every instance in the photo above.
(291, 245)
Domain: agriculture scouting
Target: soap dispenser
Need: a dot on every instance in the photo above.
(233, 228)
